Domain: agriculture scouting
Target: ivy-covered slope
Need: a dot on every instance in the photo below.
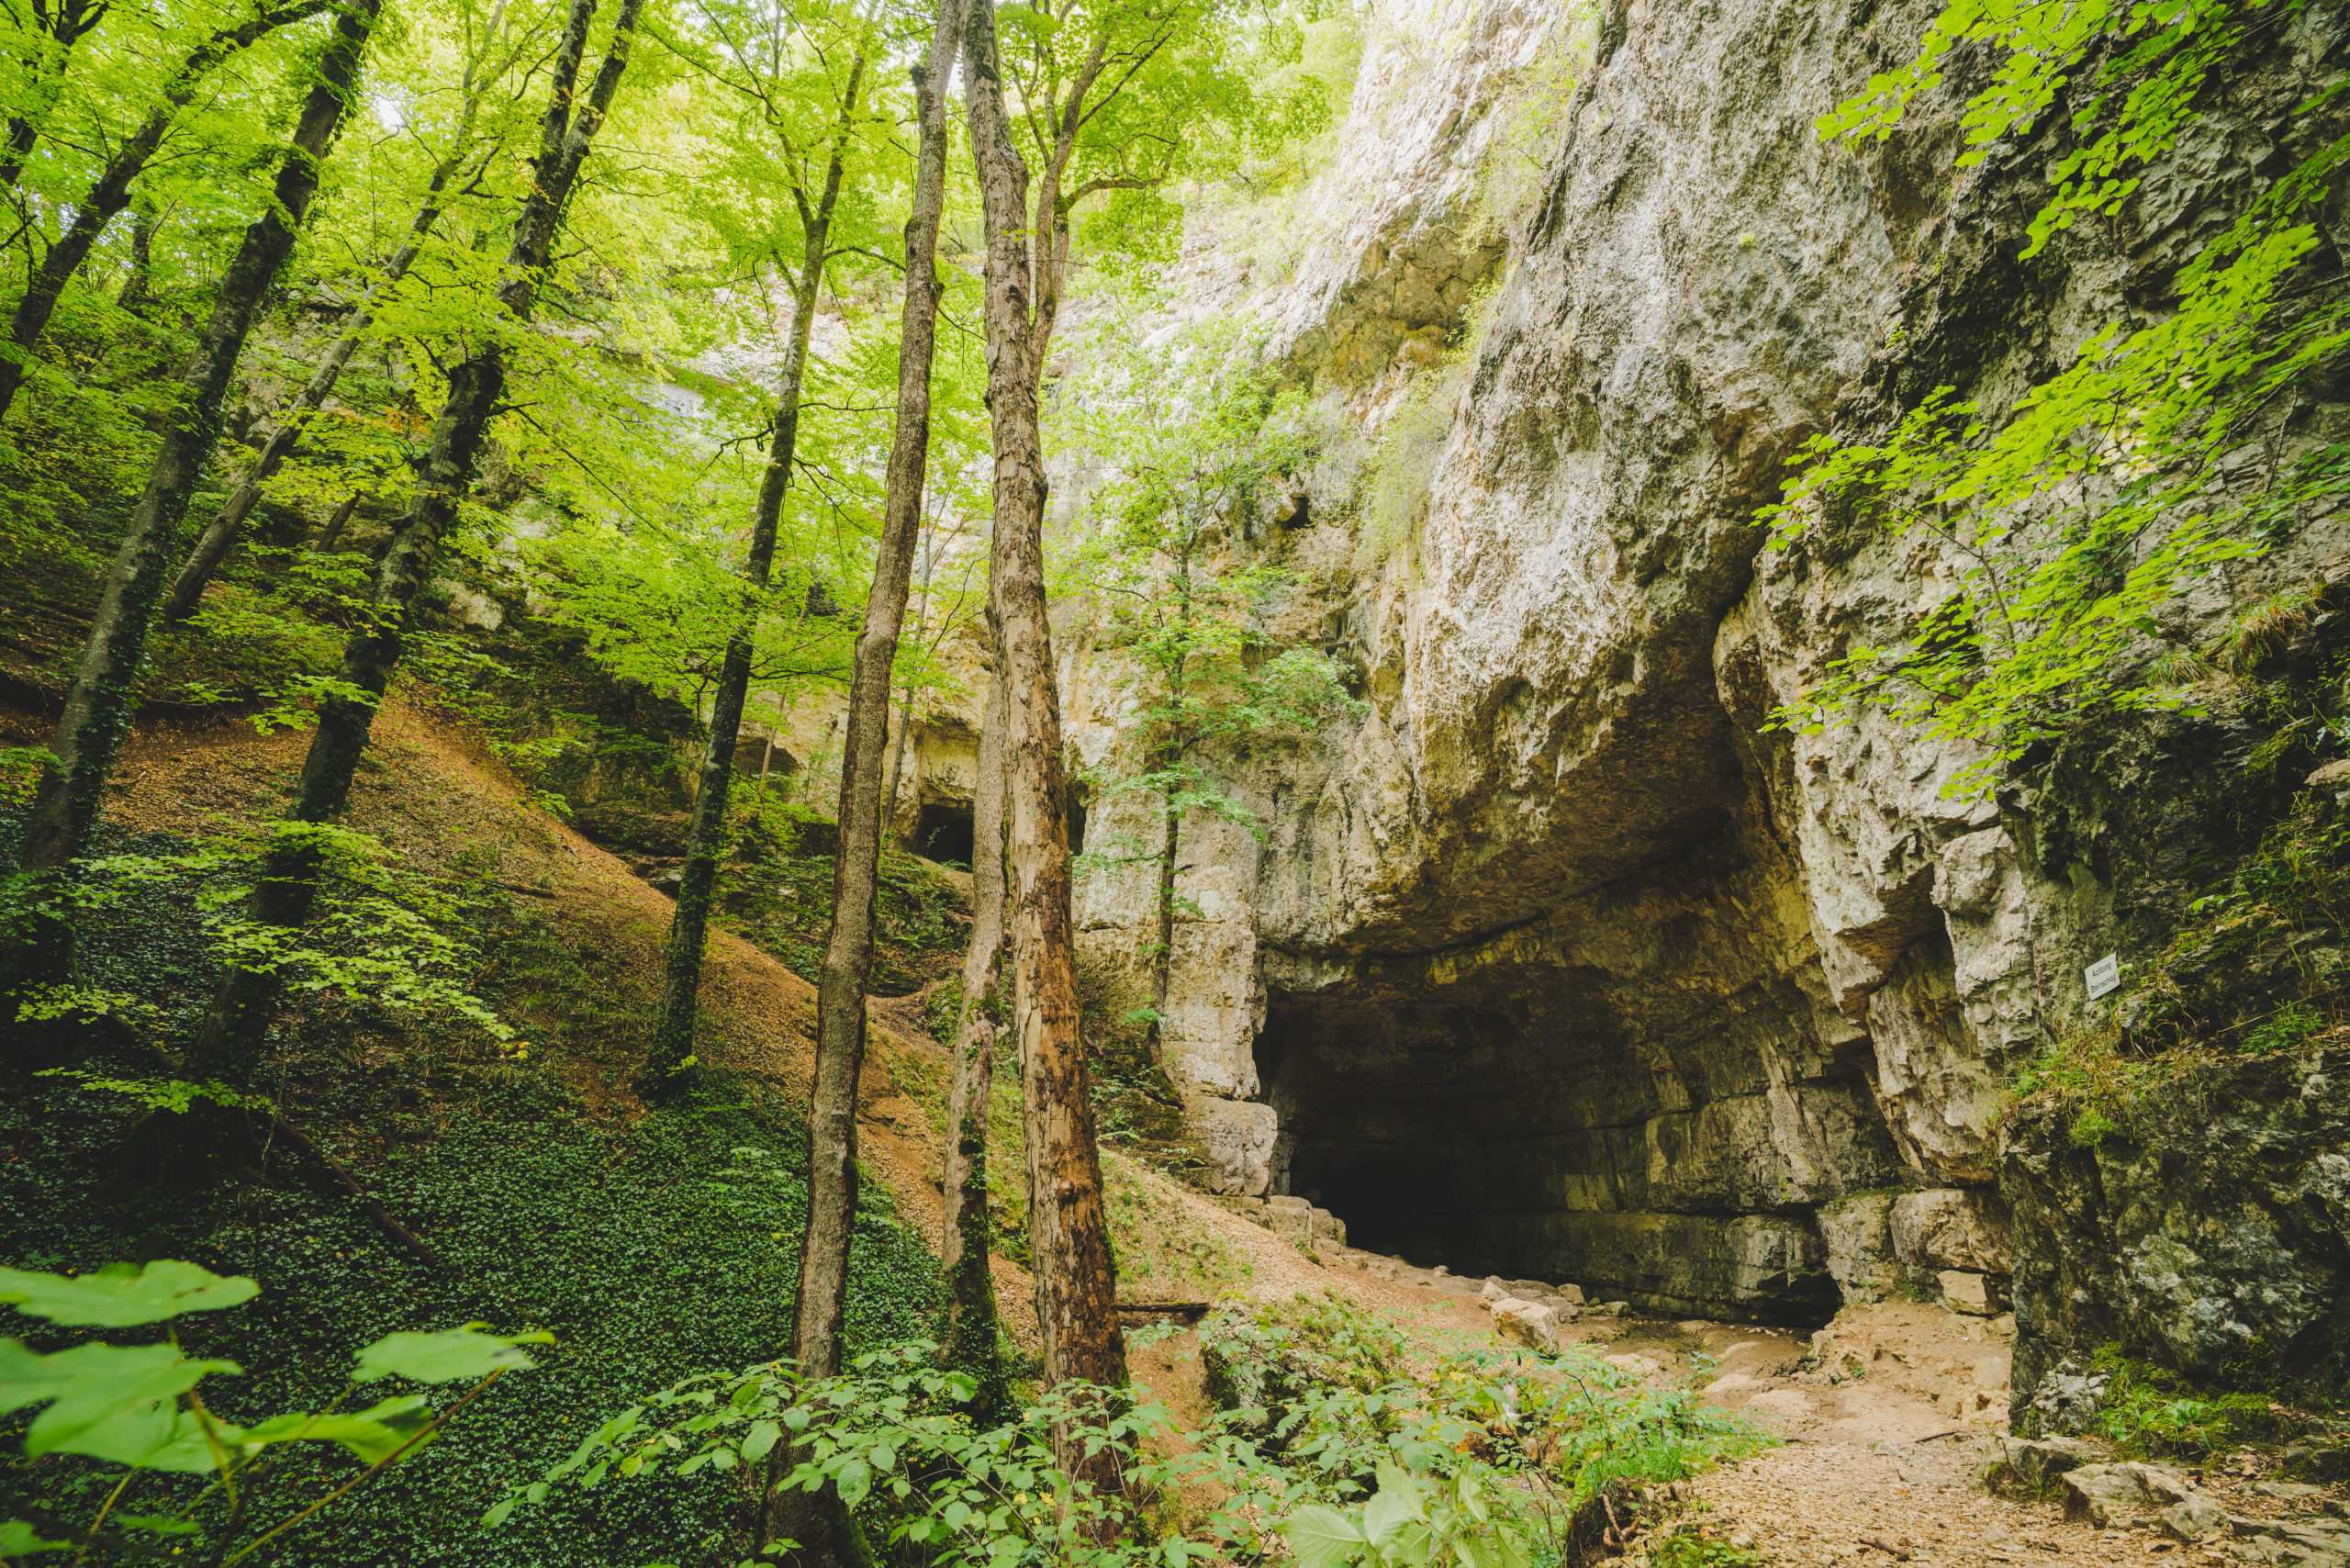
(653, 1243)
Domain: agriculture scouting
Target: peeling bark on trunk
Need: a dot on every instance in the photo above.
(1069, 1234)
(673, 1039)
(99, 706)
(111, 192)
(211, 546)
(229, 1043)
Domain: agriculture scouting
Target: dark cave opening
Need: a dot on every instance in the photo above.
(942, 833)
(1513, 1126)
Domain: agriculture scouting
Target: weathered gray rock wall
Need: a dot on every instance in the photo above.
(1561, 961)
(2214, 1234)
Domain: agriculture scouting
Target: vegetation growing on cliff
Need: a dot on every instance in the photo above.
(2077, 518)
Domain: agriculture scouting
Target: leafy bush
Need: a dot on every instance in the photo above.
(1263, 1361)
(136, 1406)
(651, 1246)
(1484, 1457)
(381, 935)
(2079, 516)
(1409, 1523)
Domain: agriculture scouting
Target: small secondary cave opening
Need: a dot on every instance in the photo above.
(942, 833)
(1514, 1125)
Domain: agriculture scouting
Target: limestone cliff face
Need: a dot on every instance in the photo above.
(1560, 962)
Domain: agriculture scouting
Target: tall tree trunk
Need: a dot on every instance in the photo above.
(1162, 963)
(848, 947)
(898, 762)
(1162, 967)
(228, 1042)
(111, 193)
(921, 623)
(135, 295)
(332, 533)
(963, 1243)
(211, 546)
(1068, 1233)
(673, 1037)
(98, 707)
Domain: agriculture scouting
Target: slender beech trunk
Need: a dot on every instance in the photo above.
(921, 623)
(1069, 1234)
(111, 193)
(1162, 965)
(135, 295)
(211, 546)
(99, 706)
(963, 1244)
(673, 1038)
(228, 1044)
(335, 524)
(898, 761)
(848, 947)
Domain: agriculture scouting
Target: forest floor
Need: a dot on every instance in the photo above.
(1881, 1465)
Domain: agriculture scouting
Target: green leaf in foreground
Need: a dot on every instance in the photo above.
(121, 1295)
(109, 1403)
(1322, 1537)
(19, 1539)
(374, 1435)
(452, 1355)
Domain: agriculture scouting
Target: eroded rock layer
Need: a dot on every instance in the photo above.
(1563, 960)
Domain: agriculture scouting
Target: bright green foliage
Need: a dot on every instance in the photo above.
(2151, 1413)
(1488, 1455)
(1263, 1363)
(136, 1405)
(1194, 438)
(1173, 93)
(1408, 1523)
(610, 1230)
(459, 1355)
(381, 931)
(2089, 508)
(1692, 1548)
(2156, 57)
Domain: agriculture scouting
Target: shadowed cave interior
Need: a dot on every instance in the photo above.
(1519, 1124)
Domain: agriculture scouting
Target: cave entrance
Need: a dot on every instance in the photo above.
(1514, 1124)
(942, 833)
